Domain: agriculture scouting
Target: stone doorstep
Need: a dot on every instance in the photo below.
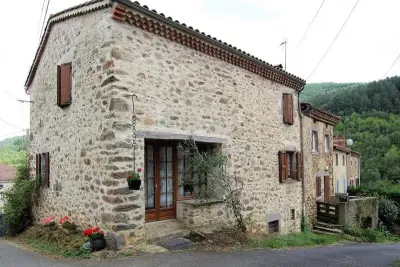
(328, 230)
(328, 225)
(165, 230)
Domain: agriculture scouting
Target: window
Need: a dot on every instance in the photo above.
(314, 141)
(318, 187)
(289, 165)
(343, 160)
(64, 84)
(43, 168)
(351, 163)
(273, 227)
(292, 214)
(287, 108)
(337, 159)
(326, 142)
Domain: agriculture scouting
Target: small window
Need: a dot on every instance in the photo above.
(318, 187)
(289, 165)
(337, 159)
(351, 163)
(326, 143)
(273, 227)
(343, 160)
(292, 214)
(287, 108)
(43, 168)
(314, 141)
(64, 84)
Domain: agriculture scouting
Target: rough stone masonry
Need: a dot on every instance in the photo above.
(180, 91)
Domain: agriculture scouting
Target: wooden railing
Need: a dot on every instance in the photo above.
(328, 213)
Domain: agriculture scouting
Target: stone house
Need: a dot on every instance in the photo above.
(7, 175)
(318, 150)
(346, 169)
(91, 60)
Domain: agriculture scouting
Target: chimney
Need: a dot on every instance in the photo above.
(339, 140)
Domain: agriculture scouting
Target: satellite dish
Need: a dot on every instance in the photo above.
(349, 142)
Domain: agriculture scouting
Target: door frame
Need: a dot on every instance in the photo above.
(158, 213)
(327, 188)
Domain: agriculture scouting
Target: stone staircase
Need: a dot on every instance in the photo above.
(327, 228)
(160, 231)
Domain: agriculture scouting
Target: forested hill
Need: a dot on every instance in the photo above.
(344, 99)
(12, 150)
(371, 117)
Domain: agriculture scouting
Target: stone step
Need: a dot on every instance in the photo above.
(328, 230)
(323, 233)
(328, 225)
(165, 230)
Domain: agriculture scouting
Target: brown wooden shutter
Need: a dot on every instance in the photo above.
(282, 167)
(299, 166)
(64, 84)
(318, 187)
(47, 169)
(288, 108)
(37, 165)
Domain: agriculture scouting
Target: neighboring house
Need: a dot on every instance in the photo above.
(90, 61)
(7, 174)
(346, 168)
(318, 156)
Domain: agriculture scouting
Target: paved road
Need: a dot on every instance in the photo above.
(346, 255)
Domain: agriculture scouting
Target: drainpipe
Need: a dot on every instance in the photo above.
(303, 183)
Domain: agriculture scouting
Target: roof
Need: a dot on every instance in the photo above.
(7, 172)
(241, 58)
(319, 114)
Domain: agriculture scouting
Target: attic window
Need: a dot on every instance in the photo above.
(273, 227)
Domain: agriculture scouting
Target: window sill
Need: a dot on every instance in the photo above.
(195, 202)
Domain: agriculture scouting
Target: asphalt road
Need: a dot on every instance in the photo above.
(345, 255)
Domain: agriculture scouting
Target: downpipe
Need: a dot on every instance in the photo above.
(303, 183)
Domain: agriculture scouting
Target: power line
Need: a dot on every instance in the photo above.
(45, 14)
(394, 62)
(8, 93)
(12, 134)
(11, 124)
(312, 21)
(40, 19)
(340, 30)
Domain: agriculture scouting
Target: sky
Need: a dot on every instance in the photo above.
(364, 50)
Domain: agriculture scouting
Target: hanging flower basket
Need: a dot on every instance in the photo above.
(133, 179)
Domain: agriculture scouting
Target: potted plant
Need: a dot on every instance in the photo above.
(133, 179)
(96, 238)
(67, 226)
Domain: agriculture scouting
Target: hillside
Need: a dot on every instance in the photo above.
(313, 90)
(371, 117)
(12, 150)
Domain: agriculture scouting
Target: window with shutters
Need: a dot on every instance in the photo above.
(343, 160)
(314, 143)
(64, 84)
(43, 168)
(337, 159)
(326, 142)
(290, 166)
(287, 107)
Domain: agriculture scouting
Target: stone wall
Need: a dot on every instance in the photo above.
(359, 211)
(353, 168)
(316, 164)
(339, 171)
(180, 91)
(6, 185)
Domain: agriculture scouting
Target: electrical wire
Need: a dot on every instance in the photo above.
(44, 18)
(11, 124)
(394, 62)
(8, 93)
(330, 46)
(40, 19)
(309, 26)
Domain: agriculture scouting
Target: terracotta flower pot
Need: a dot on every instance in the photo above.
(135, 184)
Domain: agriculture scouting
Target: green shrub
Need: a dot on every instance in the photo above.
(300, 240)
(388, 211)
(18, 201)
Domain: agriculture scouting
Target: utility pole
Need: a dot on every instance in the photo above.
(284, 43)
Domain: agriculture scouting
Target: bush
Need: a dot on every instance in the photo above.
(388, 211)
(18, 201)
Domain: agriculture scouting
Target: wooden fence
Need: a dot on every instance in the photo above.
(328, 213)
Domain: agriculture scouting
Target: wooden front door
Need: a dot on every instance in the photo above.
(160, 181)
(327, 188)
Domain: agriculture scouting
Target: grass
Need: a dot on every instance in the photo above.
(372, 235)
(396, 263)
(51, 248)
(304, 239)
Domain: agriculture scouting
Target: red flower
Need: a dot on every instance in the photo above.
(101, 232)
(139, 170)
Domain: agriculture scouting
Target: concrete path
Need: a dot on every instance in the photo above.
(346, 255)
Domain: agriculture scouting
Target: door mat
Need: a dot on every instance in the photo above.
(176, 244)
